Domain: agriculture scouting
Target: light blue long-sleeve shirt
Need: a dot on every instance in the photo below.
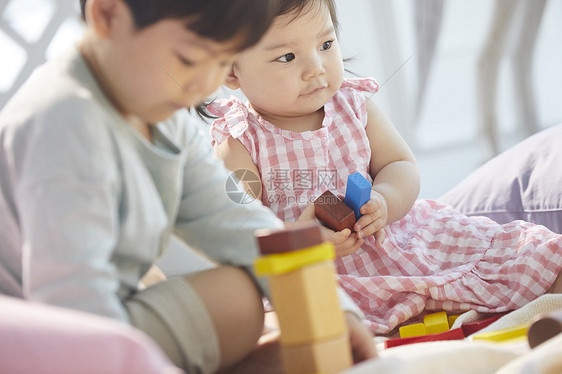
(87, 204)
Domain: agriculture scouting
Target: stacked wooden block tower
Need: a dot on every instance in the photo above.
(314, 337)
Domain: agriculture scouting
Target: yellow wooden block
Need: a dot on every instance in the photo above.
(327, 356)
(280, 263)
(452, 320)
(436, 323)
(307, 304)
(504, 335)
(415, 329)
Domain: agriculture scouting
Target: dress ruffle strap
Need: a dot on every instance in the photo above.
(361, 84)
(233, 118)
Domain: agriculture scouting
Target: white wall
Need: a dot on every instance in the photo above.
(450, 106)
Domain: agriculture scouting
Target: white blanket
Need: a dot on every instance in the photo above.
(476, 357)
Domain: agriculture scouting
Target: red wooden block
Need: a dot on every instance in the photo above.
(475, 326)
(333, 212)
(298, 236)
(455, 334)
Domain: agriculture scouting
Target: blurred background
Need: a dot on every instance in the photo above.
(461, 80)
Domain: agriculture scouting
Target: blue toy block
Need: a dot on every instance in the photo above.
(357, 193)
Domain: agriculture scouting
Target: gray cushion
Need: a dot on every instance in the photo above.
(524, 182)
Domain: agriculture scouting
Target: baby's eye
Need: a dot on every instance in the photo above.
(327, 45)
(287, 58)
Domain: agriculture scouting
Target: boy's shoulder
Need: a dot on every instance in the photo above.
(60, 92)
(57, 120)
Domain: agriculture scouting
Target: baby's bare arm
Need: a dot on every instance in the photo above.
(394, 169)
(237, 158)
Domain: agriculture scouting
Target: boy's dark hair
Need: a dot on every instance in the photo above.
(83, 9)
(218, 20)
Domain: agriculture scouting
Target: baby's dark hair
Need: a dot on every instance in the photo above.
(283, 7)
(299, 6)
(218, 20)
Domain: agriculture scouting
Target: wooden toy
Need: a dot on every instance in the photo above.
(454, 334)
(302, 236)
(322, 357)
(452, 320)
(281, 263)
(357, 193)
(303, 288)
(333, 212)
(544, 328)
(415, 329)
(475, 326)
(436, 322)
(432, 324)
(307, 308)
(504, 335)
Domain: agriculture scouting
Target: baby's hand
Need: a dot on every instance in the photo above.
(374, 218)
(344, 241)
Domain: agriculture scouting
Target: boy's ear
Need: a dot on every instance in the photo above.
(231, 80)
(101, 15)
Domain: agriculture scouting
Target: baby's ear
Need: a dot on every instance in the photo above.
(231, 80)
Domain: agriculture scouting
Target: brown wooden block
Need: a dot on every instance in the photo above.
(326, 356)
(298, 236)
(333, 212)
(544, 328)
(307, 304)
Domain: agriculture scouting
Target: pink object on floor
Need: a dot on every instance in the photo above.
(42, 339)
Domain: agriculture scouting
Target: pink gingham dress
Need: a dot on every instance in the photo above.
(434, 258)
